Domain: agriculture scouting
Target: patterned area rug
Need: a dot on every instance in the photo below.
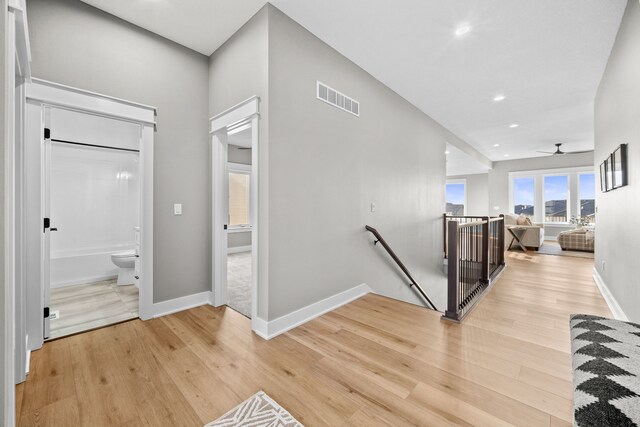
(606, 371)
(257, 411)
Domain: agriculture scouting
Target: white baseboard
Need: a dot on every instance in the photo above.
(84, 281)
(260, 327)
(183, 303)
(239, 249)
(615, 308)
(275, 327)
(27, 363)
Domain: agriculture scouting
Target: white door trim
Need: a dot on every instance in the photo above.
(8, 224)
(17, 70)
(219, 209)
(245, 112)
(44, 95)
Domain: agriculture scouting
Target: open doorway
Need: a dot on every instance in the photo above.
(239, 254)
(92, 198)
(235, 211)
(85, 177)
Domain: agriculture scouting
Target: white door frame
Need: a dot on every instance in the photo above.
(44, 95)
(17, 71)
(244, 112)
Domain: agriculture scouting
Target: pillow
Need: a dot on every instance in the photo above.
(523, 220)
(529, 221)
(510, 219)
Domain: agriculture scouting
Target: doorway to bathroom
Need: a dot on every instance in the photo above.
(234, 137)
(92, 200)
(84, 209)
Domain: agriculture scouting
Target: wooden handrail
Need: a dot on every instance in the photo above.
(400, 264)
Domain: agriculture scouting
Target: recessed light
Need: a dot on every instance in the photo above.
(447, 152)
(506, 155)
(499, 98)
(462, 30)
(496, 145)
(513, 125)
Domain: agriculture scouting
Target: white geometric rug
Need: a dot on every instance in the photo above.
(257, 411)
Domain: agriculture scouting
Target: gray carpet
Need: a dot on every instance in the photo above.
(239, 282)
(606, 371)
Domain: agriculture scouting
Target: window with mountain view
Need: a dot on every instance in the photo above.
(523, 195)
(454, 196)
(587, 191)
(556, 192)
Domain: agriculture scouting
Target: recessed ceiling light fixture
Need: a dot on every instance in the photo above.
(499, 98)
(462, 30)
(447, 152)
(513, 125)
(496, 145)
(506, 155)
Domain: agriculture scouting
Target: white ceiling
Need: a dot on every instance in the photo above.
(241, 139)
(546, 56)
(202, 25)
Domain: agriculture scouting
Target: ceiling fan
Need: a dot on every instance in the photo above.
(559, 152)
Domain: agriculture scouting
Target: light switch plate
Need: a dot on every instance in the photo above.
(177, 209)
(373, 207)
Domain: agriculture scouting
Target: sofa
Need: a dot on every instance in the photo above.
(532, 239)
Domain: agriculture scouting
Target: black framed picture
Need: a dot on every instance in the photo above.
(619, 166)
(603, 177)
(609, 166)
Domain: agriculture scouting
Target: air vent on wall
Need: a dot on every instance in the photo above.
(337, 99)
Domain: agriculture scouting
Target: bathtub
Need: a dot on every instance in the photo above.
(84, 266)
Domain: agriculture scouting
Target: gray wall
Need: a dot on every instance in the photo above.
(239, 239)
(77, 45)
(6, 380)
(499, 175)
(237, 71)
(617, 121)
(477, 189)
(236, 155)
(327, 166)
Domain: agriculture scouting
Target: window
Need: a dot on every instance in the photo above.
(239, 196)
(587, 192)
(455, 197)
(553, 196)
(556, 195)
(524, 196)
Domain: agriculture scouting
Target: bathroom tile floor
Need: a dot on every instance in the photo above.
(90, 306)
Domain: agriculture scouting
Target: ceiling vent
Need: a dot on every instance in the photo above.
(337, 99)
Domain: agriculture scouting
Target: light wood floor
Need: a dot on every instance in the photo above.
(375, 361)
(90, 306)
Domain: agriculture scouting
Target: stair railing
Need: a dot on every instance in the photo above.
(475, 256)
(404, 269)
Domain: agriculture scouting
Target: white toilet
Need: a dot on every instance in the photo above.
(126, 262)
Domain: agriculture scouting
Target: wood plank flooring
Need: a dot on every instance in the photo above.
(90, 306)
(373, 362)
